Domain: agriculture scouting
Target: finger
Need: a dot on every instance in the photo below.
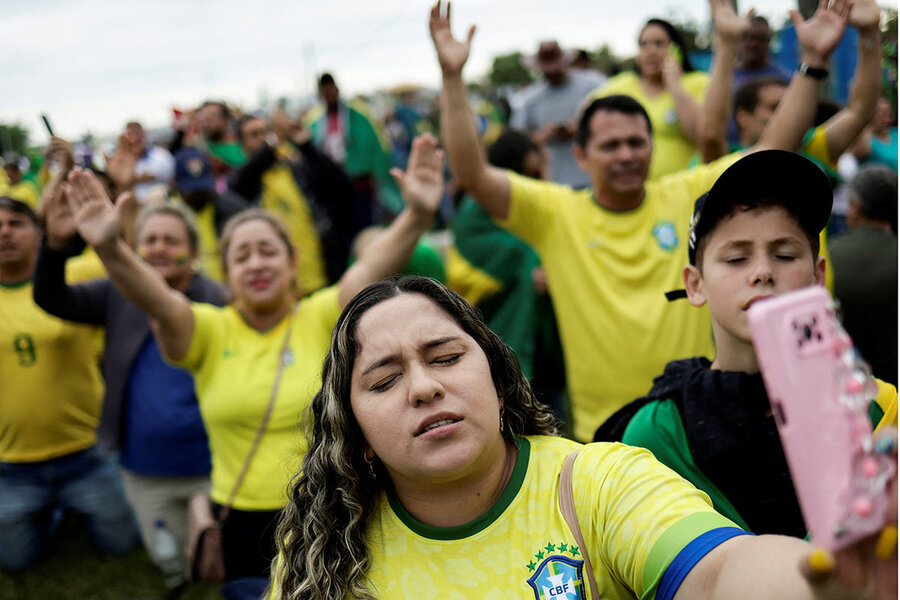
(796, 17)
(397, 174)
(125, 202)
(447, 16)
(818, 566)
(470, 36)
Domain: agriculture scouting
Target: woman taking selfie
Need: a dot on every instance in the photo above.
(258, 359)
(433, 472)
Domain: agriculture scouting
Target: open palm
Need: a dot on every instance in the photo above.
(821, 34)
(423, 182)
(452, 53)
(98, 221)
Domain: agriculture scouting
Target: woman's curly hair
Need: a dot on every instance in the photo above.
(322, 533)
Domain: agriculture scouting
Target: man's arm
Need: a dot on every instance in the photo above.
(488, 185)
(844, 127)
(714, 117)
(818, 38)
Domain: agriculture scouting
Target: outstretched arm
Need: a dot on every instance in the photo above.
(843, 128)
(818, 38)
(422, 186)
(488, 185)
(716, 110)
(100, 223)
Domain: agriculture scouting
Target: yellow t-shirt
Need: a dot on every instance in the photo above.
(672, 149)
(635, 514)
(608, 272)
(52, 388)
(234, 368)
(282, 197)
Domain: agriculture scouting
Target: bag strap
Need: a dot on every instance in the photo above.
(282, 362)
(567, 507)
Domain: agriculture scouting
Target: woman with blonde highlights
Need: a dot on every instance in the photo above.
(237, 352)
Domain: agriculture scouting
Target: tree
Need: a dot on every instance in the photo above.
(508, 69)
(13, 138)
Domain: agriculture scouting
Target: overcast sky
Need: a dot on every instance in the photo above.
(93, 65)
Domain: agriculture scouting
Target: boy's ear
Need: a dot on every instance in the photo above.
(819, 270)
(693, 285)
(578, 151)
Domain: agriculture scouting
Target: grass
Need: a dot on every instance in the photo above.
(75, 570)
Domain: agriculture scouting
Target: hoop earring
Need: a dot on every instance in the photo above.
(371, 464)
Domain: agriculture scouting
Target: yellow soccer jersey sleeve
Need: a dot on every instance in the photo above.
(52, 388)
(608, 273)
(234, 367)
(635, 514)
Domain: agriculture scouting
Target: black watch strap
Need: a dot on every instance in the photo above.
(814, 72)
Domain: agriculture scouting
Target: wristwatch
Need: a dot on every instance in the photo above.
(814, 72)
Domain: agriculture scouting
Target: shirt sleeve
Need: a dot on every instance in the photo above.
(207, 331)
(533, 208)
(321, 310)
(642, 514)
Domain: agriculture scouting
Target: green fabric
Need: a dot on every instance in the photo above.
(426, 261)
(513, 314)
(365, 154)
(658, 427)
(229, 153)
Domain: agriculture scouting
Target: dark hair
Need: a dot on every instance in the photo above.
(759, 19)
(616, 103)
(326, 79)
(223, 108)
(243, 120)
(510, 149)
(747, 96)
(675, 38)
(749, 202)
(20, 208)
(874, 189)
(321, 536)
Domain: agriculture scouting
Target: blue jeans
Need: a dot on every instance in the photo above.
(85, 482)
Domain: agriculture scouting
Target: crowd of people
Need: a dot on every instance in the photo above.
(218, 316)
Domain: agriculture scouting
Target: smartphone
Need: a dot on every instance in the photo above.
(819, 390)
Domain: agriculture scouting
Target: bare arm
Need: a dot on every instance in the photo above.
(422, 186)
(99, 222)
(686, 107)
(713, 125)
(489, 186)
(843, 128)
(818, 38)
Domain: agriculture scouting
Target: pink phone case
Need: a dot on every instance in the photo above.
(820, 391)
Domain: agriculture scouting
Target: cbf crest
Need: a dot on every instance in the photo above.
(558, 578)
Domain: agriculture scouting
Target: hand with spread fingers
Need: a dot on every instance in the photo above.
(422, 184)
(452, 53)
(821, 34)
(99, 221)
(726, 22)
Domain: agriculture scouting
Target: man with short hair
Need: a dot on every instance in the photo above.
(753, 55)
(550, 109)
(49, 411)
(610, 252)
(864, 261)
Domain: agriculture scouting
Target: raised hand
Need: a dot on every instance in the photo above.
(864, 15)
(727, 23)
(59, 224)
(120, 166)
(99, 221)
(452, 54)
(821, 34)
(671, 72)
(422, 184)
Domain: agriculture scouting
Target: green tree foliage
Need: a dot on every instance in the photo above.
(13, 138)
(508, 70)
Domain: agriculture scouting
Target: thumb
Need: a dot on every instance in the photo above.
(398, 174)
(124, 202)
(796, 17)
(470, 35)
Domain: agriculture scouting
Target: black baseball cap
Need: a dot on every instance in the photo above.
(788, 178)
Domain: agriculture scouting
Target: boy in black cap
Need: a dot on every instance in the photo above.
(755, 234)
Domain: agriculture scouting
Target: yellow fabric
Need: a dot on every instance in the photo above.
(84, 267)
(208, 261)
(607, 272)
(24, 191)
(625, 500)
(234, 367)
(467, 280)
(887, 400)
(672, 150)
(817, 148)
(282, 197)
(52, 389)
